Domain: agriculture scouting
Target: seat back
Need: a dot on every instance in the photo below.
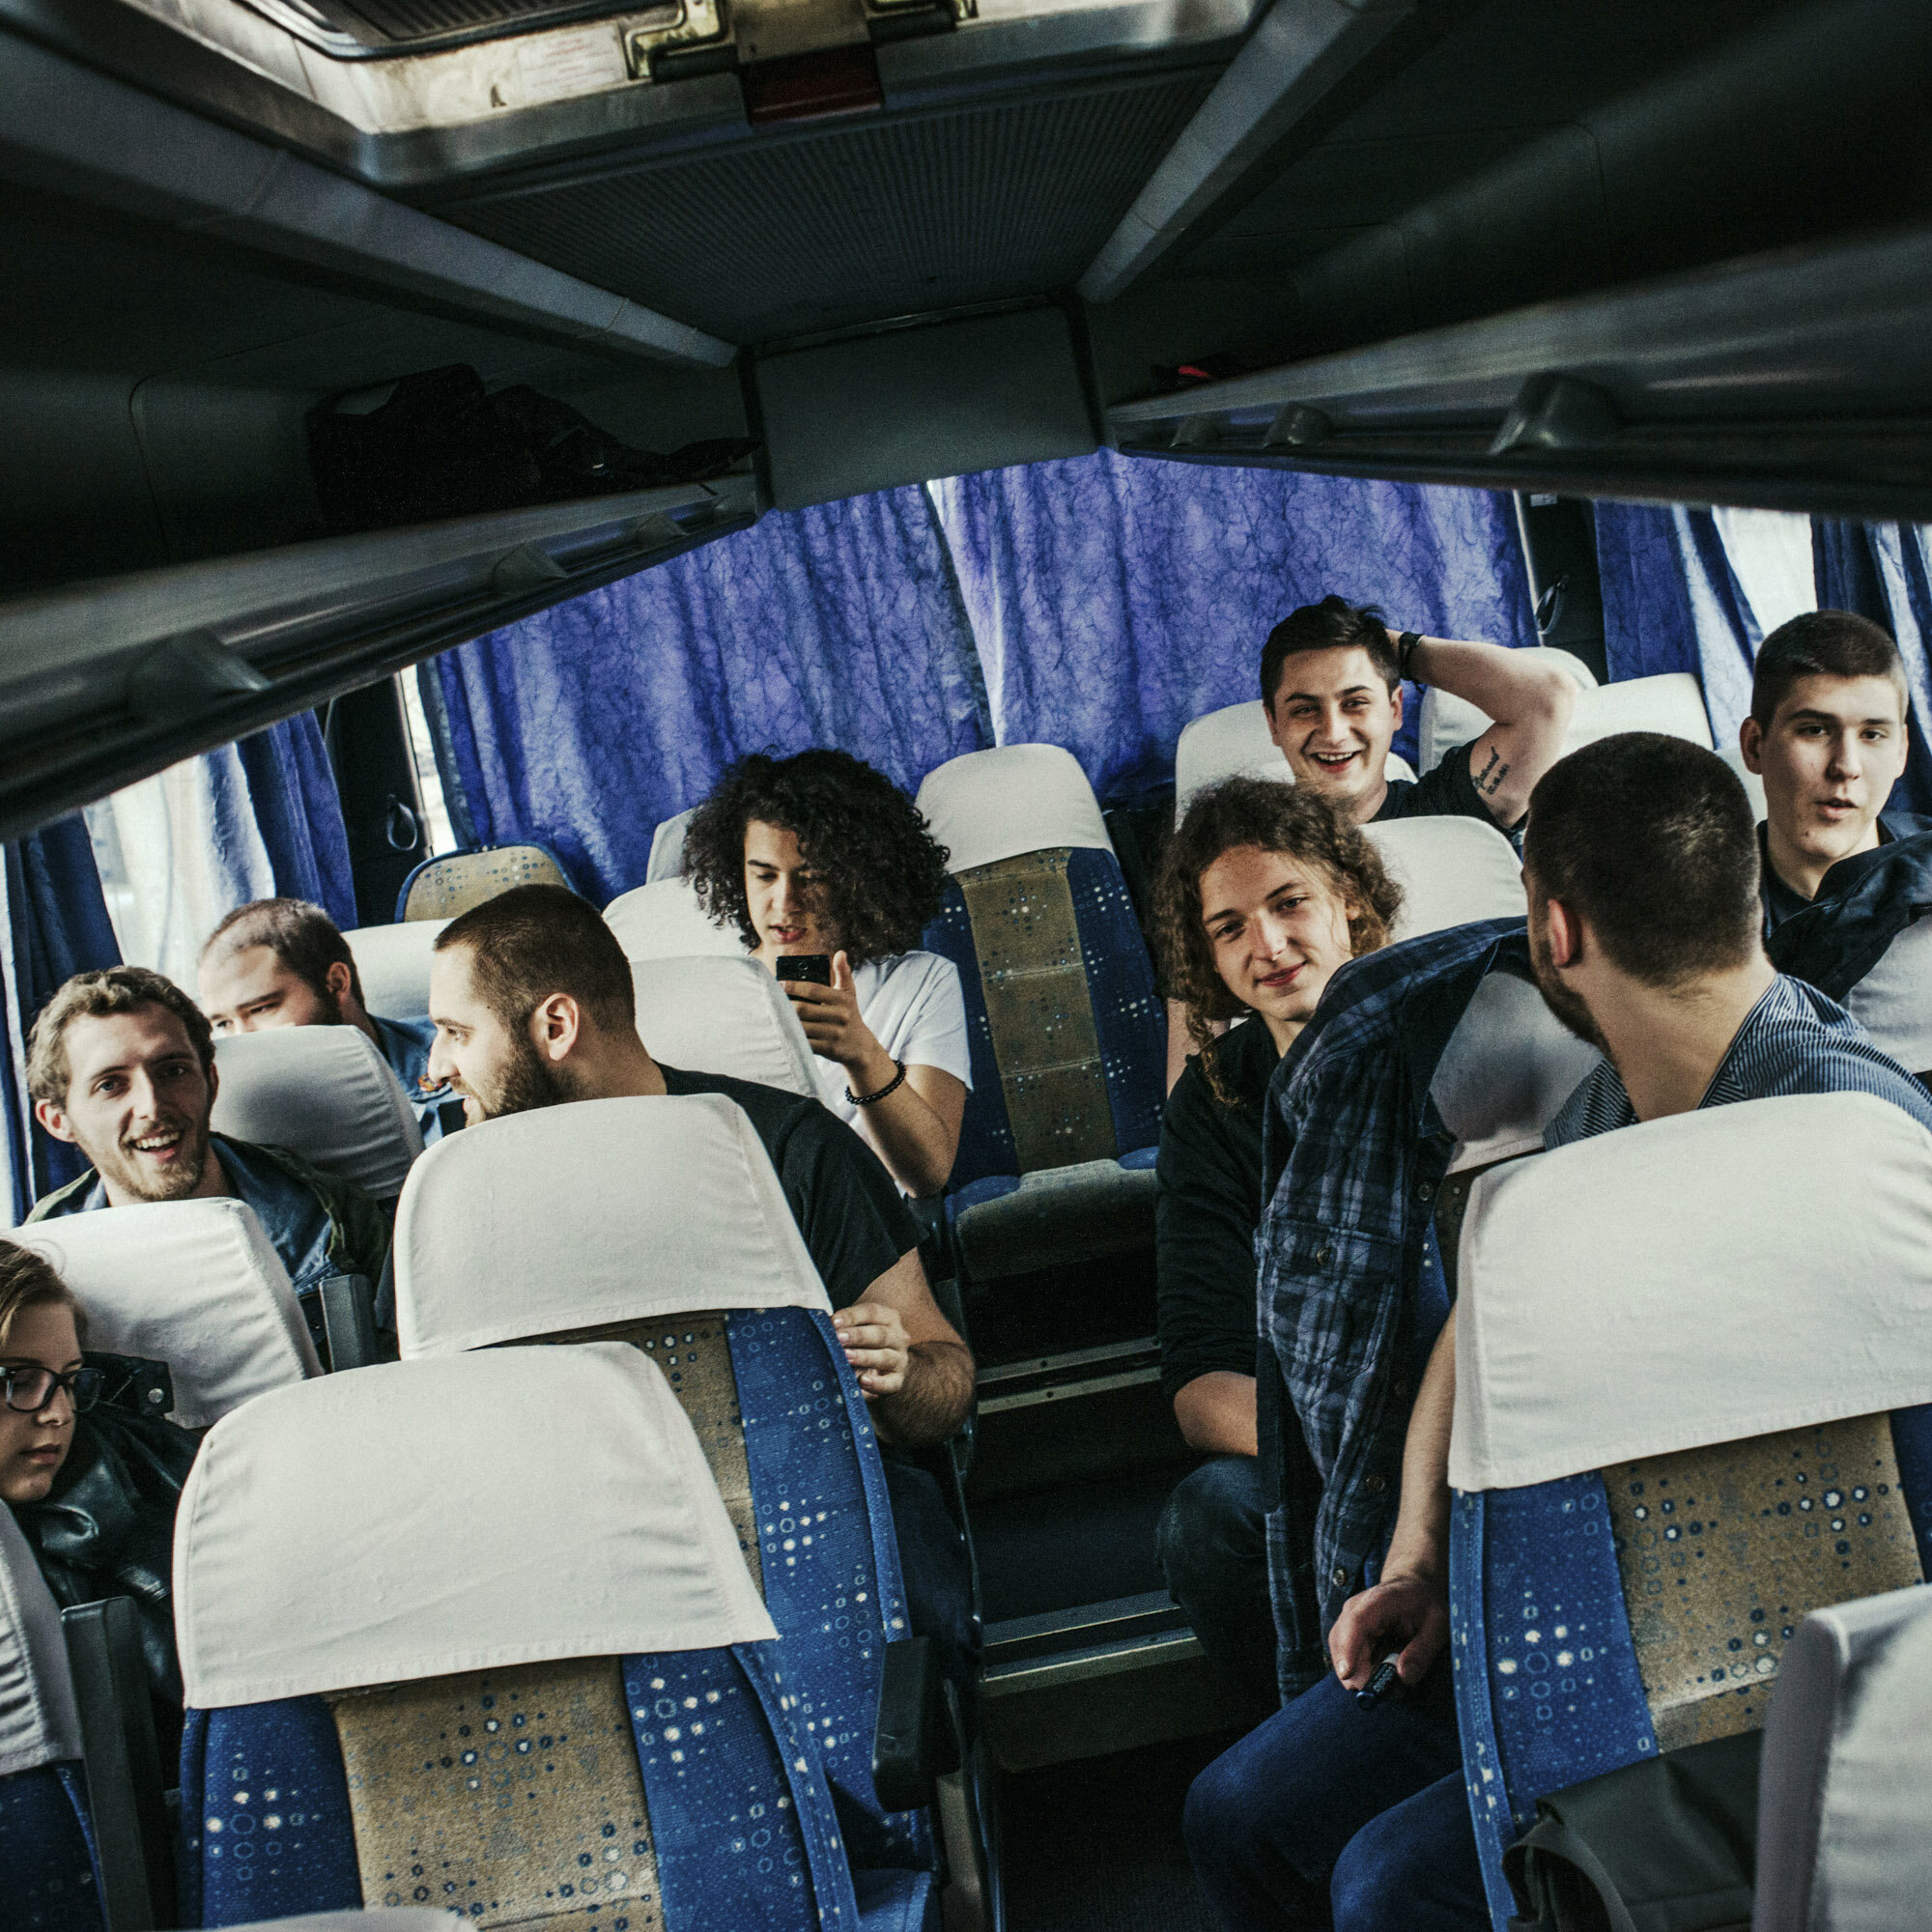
(1893, 1001)
(442, 887)
(324, 1091)
(665, 1226)
(666, 920)
(530, 1681)
(1682, 1423)
(1451, 871)
(1444, 720)
(716, 1015)
(1234, 741)
(392, 962)
(666, 860)
(1016, 799)
(1841, 1838)
(194, 1284)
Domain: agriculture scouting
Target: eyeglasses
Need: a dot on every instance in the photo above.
(29, 1390)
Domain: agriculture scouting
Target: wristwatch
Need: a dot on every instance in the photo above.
(1404, 649)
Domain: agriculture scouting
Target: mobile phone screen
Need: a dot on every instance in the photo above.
(813, 968)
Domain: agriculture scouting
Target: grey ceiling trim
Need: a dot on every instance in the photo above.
(70, 131)
(1294, 60)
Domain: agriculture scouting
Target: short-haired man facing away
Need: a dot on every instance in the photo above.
(1641, 867)
(534, 1007)
(283, 962)
(121, 1064)
(1826, 734)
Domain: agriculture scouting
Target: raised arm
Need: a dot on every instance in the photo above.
(1531, 701)
(914, 1369)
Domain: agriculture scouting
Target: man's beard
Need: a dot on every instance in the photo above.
(529, 1081)
(1561, 1000)
(176, 1182)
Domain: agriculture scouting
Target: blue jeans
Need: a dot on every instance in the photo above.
(1212, 1545)
(1331, 1815)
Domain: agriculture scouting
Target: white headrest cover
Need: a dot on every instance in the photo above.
(1509, 1063)
(723, 1017)
(1451, 871)
(38, 1721)
(193, 1284)
(1753, 785)
(995, 805)
(1672, 702)
(392, 962)
(648, 1207)
(1234, 741)
(422, 1517)
(666, 860)
(324, 1091)
(1841, 1841)
(664, 921)
(1893, 1001)
(1444, 721)
(1584, 1273)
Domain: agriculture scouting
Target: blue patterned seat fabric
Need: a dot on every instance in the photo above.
(46, 1852)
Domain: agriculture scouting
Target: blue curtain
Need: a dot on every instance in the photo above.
(298, 810)
(1113, 598)
(582, 726)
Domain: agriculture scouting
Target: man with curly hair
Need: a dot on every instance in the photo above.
(822, 854)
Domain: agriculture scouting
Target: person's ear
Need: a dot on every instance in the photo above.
(213, 1079)
(1566, 934)
(53, 1116)
(555, 1027)
(337, 980)
(1394, 706)
(1750, 742)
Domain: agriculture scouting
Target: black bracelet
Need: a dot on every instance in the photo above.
(1404, 649)
(891, 1086)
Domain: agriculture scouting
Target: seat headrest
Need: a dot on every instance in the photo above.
(1672, 702)
(988, 806)
(1591, 1275)
(512, 1506)
(39, 1723)
(1444, 721)
(392, 962)
(1234, 741)
(443, 887)
(723, 1017)
(1893, 1001)
(1733, 756)
(595, 1211)
(1509, 1066)
(666, 860)
(194, 1284)
(1451, 871)
(324, 1091)
(666, 921)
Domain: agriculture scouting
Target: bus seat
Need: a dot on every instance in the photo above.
(45, 1834)
(442, 887)
(529, 1673)
(666, 860)
(1064, 1026)
(664, 1227)
(1680, 1425)
(1234, 741)
(194, 1284)
(666, 920)
(324, 1091)
(1753, 785)
(379, 1919)
(1841, 1840)
(1672, 702)
(1893, 1001)
(1451, 871)
(1444, 721)
(392, 962)
(723, 1017)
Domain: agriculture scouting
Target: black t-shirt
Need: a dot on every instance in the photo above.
(1448, 791)
(1207, 1209)
(847, 1207)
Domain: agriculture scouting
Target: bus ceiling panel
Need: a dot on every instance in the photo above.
(75, 133)
(1798, 379)
(104, 683)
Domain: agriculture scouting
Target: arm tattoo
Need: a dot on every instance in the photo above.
(1490, 779)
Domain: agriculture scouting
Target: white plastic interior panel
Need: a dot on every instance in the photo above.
(1509, 1066)
(392, 962)
(723, 1017)
(988, 806)
(1893, 1001)
(1234, 741)
(1842, 1844)
(1444, 719)
(513, 1506)
(1451, 871)
(1578, 1271)
(38, 1721)
(1753, 785)
(194, 1284)
(324, 1091)
(649, 1206)
(666, 860)
(666, 920)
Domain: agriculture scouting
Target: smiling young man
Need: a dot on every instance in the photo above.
(1826, 734)
(121, 1064)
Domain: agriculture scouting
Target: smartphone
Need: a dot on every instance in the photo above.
(811, 968)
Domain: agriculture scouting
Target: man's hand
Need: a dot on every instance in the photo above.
(876, 1345)
(1408, 1613)
(833, 1027)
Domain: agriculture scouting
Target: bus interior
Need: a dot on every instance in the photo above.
(474, 422)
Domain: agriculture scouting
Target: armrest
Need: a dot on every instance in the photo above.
(122, 1763)
(915, 1742)
(348, 1320)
